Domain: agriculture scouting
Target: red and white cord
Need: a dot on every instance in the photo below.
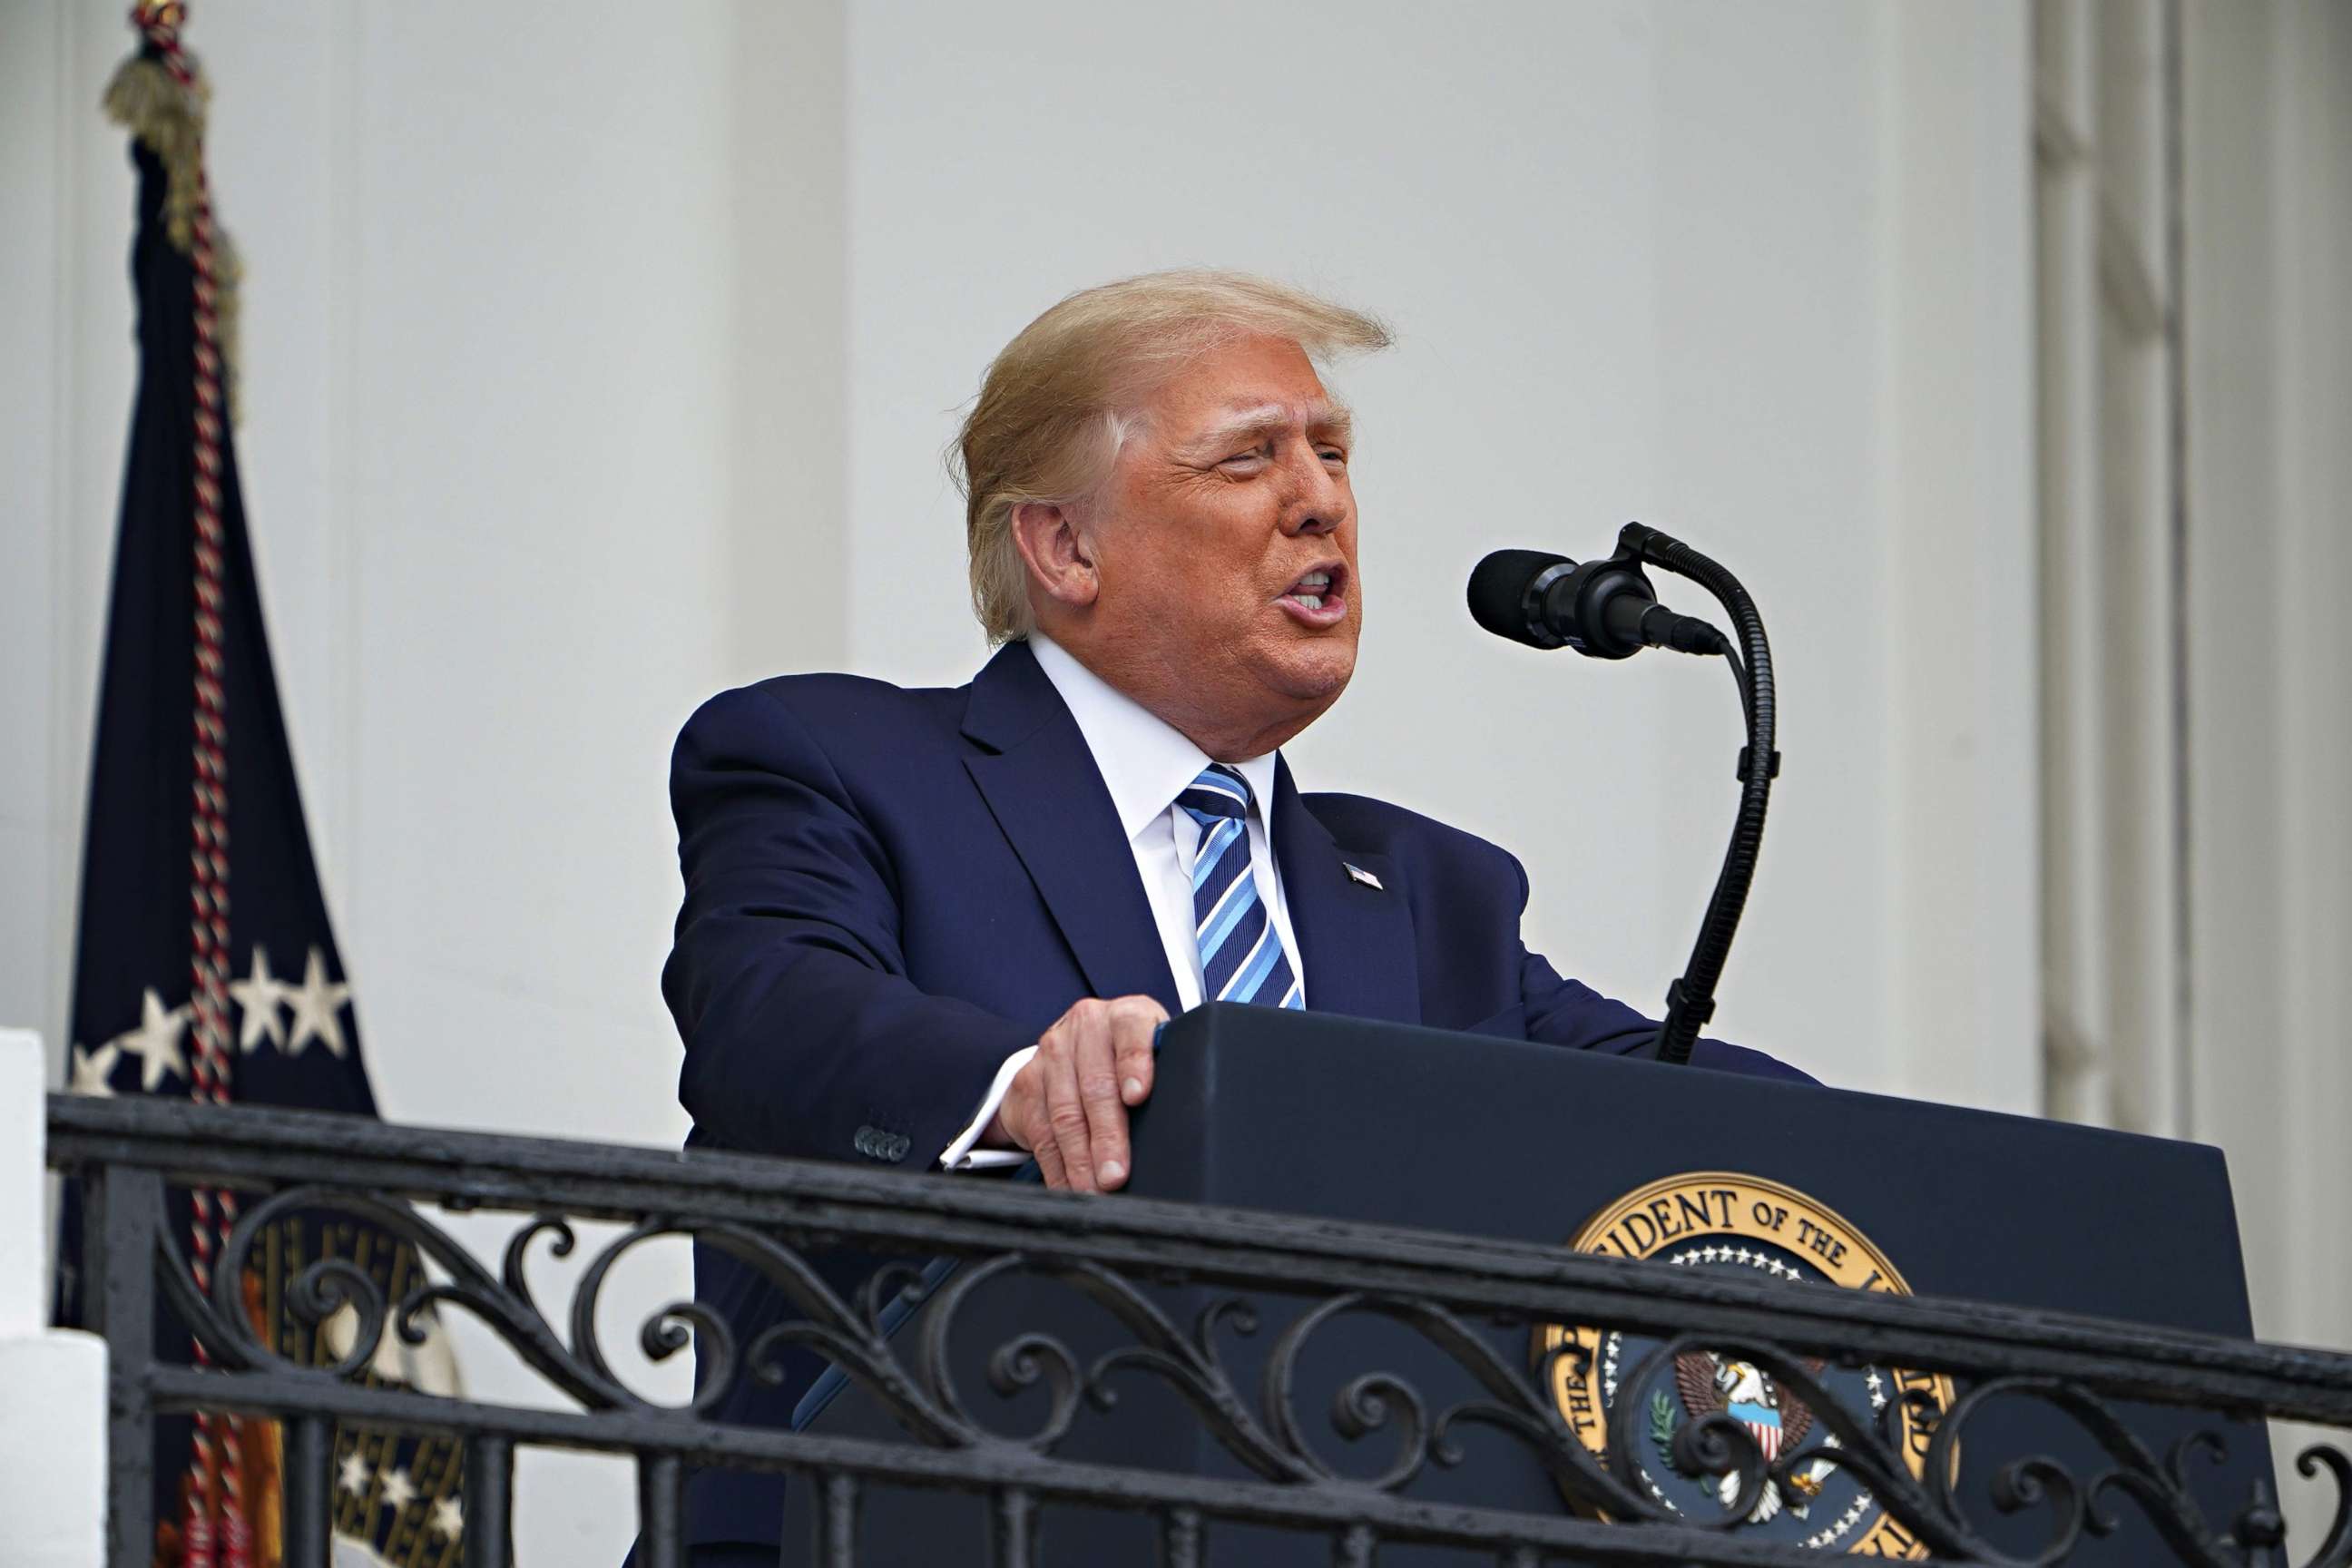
(214, 1453)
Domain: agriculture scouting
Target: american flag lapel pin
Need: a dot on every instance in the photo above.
(1356, 873)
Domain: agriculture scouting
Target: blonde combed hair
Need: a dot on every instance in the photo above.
(1059, 401)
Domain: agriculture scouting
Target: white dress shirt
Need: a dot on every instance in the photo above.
(1145, 763)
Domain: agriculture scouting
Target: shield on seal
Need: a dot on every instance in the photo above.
(1763, 1424)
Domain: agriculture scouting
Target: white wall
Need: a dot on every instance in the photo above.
(595, 361)
(1757, 274)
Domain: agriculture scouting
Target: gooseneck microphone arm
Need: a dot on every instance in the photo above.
(1605, 609)
(1690, 1000)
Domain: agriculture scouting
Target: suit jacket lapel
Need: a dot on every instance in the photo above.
(1355, 941)
(1042, 785)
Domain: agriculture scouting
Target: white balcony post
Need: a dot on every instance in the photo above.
(53, 1413)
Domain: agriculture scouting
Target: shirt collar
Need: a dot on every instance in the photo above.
(1145, 761)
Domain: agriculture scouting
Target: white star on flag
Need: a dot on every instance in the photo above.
(316, 1002)
(354, 1478)
(449, 1518)
(399, 1491)
(156, 1041)
(259, 996)
(93, 1071)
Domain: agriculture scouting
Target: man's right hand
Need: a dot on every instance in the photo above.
(1069, 1105)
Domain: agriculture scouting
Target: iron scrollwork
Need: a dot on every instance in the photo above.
(913, 1377)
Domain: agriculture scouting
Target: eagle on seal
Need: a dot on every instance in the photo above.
(1712, 1384)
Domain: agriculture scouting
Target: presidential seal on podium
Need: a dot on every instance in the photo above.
(1722, 1222)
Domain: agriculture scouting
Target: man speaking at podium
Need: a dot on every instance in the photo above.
(938, 927)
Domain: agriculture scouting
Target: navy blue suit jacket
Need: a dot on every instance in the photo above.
(888, 892)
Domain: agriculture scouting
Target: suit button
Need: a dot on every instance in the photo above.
(897, 1147)
(867, 1142)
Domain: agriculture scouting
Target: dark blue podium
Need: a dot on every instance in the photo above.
(1323, 1116)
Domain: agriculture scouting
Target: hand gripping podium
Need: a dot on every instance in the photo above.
(1328, 1117)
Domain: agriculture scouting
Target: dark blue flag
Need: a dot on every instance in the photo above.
(206, 965)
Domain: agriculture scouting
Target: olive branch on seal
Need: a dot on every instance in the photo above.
(1662, 1427)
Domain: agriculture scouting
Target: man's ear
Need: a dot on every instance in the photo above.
(1059, 555)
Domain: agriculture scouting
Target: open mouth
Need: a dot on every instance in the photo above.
(1319, 597)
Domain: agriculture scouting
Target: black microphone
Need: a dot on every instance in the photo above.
(1603, 609)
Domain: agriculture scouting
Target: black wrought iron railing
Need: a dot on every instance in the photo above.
(1125, 1256)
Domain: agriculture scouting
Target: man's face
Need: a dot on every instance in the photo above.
(1207, 543)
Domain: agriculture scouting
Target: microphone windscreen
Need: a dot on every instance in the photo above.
(1499, 591)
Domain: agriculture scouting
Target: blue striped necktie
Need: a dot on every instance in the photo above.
(1240, 954)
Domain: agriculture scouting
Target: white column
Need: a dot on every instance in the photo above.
(1955, 629)
(2267, 342)
(53, 1440)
